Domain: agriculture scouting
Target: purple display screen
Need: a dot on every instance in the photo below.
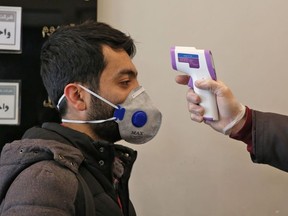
(191, 59)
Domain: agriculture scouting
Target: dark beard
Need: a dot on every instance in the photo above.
(109, 130)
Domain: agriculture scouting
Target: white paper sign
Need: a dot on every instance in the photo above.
(9, 103)
(10, 29)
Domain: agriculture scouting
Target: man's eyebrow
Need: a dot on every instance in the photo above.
(127, 72)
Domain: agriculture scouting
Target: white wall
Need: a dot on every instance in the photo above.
(189, 169)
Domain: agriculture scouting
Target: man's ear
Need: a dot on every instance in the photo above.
(75, 96)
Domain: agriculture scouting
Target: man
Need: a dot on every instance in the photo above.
(264, 133)
(88, 73)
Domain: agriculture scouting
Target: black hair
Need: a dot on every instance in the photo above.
(74, 54)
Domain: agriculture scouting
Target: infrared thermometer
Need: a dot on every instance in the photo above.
(198, 64)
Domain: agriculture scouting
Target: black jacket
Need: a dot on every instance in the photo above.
(270, 139)
(48, 187)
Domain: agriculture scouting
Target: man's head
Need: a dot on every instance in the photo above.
(75, 54)
(98, 57)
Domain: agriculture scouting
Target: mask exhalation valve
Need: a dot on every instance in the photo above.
(139, 119)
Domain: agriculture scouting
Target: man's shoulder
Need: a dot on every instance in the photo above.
(41, 186)
(33, 167)
(28, 151)
(46, 174)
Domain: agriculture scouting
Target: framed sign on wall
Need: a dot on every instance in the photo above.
(10, 29)
(10, 102)
(39, 20)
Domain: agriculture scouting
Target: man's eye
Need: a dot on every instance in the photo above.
(126, 82)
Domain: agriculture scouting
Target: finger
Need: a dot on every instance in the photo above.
(216, 87)
(196, 118)
(182, 79)
(206, 84)
(192, 97)
(196, 109)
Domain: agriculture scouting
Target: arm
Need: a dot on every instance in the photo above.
(264, 133)
(270, 139)
(44, 188)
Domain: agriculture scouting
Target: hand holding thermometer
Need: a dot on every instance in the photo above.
(199, 65)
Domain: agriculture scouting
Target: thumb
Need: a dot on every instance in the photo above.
(216, 87)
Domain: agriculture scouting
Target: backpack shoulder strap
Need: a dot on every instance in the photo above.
(85, 194)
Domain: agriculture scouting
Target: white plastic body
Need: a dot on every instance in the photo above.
(208, 99)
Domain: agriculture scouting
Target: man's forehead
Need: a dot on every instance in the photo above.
(117, 58)
(107, 50)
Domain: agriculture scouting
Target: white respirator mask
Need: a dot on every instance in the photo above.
(138, 119)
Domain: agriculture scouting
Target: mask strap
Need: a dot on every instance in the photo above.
(98, 96)
(84, 122)
(59, 101)
(89, 121)
(91, 92)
